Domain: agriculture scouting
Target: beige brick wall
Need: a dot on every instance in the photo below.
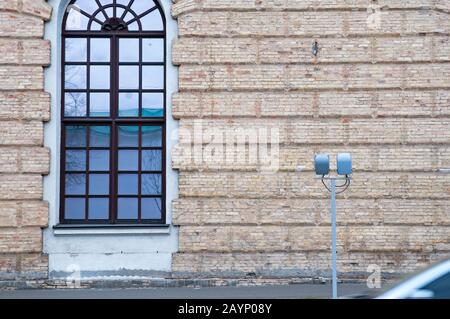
(379, 88)
(24, 106)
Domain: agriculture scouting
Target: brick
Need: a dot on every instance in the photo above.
(26, 213)
(24, 160)
(38, 8)
(299, 264)
(25, 52)
(23, 186)
(344, 131)
(266, 185)
(21, 78)
(18, 25)
(288, 158)
(29, 105)
(21, 133)
(313, 212)
(384, 103)
(311, 24)
(23, 240)
(301, 77)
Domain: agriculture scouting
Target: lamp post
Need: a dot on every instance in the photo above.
(344, 170)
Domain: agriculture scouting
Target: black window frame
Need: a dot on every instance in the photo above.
(114, 121)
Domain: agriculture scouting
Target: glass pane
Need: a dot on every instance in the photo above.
(151, 160)
(127, 208)
(133, 27)
(124, 2)
(76, 20)
(87, 6)
(151, 136)
(98, 184)
(74, 104)
(75, 136)
(100, 50)
(98, 208)
(76, 49)
(140, 6)
(128, 77)
(75, 160)
(128, 136)
(128, 160)
(75, 184)
(119, 12)
(128, 104)
(152, 21)
(151, 208)
(75, 77)
(153, 77)
(99, 160)
(95, 26)
(99, 136)
(151, 184)
(99, 105)
(99, 77)
(153, 50)
(74, 208)
(128, 184)
(153, 104)
(109, 12)
(128, 50)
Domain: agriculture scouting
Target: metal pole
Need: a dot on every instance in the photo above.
(333, 235)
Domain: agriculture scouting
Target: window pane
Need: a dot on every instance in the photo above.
(74, 208)
(133, 26)
(128, 50)
(76, 160)
(153, 50)
(99, 105)
(140, 6)
(128, 104)
(151, 184)
(75, 77)
(87, 6)
(151, 208)
(99, 160)
(153, 77)
(98, 184)
(100, 77)
(100, 50)
(75, 136)
(128, 77)
(75, 184)
(151, 136)
(74, 104)
(151, 160)
(128, 160)
(128, 136)
(128, 184)
(98, 208)
(99, 136)
(76, 49)
(76, 21)
(152, 21)
(153, 104)
(127, 208)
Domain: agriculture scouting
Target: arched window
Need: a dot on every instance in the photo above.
(113, 113)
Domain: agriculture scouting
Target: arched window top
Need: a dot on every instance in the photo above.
(114, 15)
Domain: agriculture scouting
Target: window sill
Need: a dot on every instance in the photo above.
(69, 230)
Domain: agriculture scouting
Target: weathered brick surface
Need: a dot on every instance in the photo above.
(26, 213)
(304, 185)
(378, 88)
(21, 133)
(24, 106)
(212, 211)
(15, 51)
(319, 104)
(409, 158)
(21, 240)
(32, 105)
